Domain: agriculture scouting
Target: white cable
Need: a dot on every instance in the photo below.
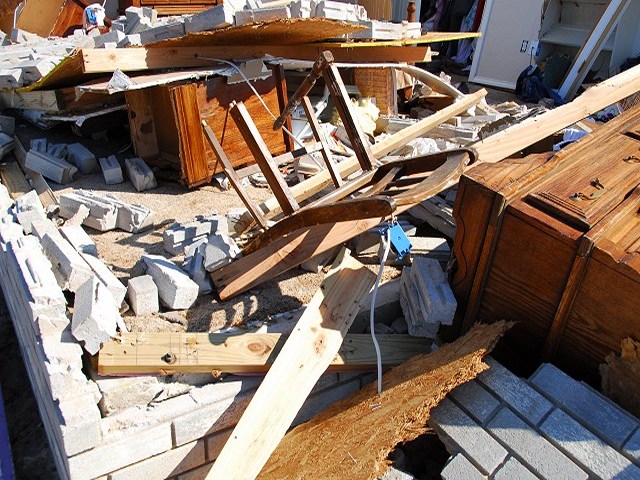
(387, 245)
(295, 139)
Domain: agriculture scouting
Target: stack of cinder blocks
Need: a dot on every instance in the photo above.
(502, 427)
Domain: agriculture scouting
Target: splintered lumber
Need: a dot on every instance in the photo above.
(321, 180)
(13, 178)
(353, 438)
(169, 353)
(305, 356)
(520, 136)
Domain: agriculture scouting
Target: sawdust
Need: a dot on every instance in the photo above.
(353, 438)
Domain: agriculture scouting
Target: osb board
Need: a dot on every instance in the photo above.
(40, 16)
(289, 31)
(358, 433)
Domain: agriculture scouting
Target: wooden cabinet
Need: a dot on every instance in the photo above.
(550, 243)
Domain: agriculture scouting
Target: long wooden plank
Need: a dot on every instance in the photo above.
(518, 137)
(102, 60)
(353, 438)
(13, 178)
(168, 353)
(321, 180)
(304, 357)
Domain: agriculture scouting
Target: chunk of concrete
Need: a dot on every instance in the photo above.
(137, 21)
(176, 290)
(81, 157)
(143, 295)
(50, 167)
(111, 170)
(34, 70)
(435, 293)
(302, 8)
(113, 36)
(38, 145)
(162, 32)
(58, 150)
(140, 174)
(262, 14)
(131, 218)
(220, 250)
(103, 215)
(107, 277)
(177, 237)
(120, 393)
(6, 144)
(70, 269)
(7, 124)
(77, 237)
(11, 78)
(28, 209)
(194, 266)
(95, 315)
(219, 16)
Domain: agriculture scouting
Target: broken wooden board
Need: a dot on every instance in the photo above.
(169, 353)
(13, 178)
(353, 438)
(524, 134)
(621, 376)
(305, 356)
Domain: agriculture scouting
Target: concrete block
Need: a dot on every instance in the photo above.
(461, 433)
(102, 217)
(150, 13)
(81, 157)
(6, 144)
(113, 36)
(599, 414)
(34, 70)
(131, 217)
(417, 324)
(262, 14)
(540, 456)
(39, 145)
(77, 237)
(176, 290)
(50, 326)
(80, 424)
(435, 292)
(458, 468)
(22, 36)
(219, 16)
(194, 266)
(111, 170)
(70, 269)
(109, 457)
(480, 404)
(143, 295)
(379, 30)
(177, 237)
(78, 218)
(513, 469)
(29, 209)
(120, 393)
(395, 474)
(7, 124)
(165, 465)
(140, 174)
(136, 20)
(68, 382)
(515, 392)
(107, 277)
(339, 11)
(95, 315)
(11, 78)
(58, 150)
(50, 167)
(220, 250)
(253, 69)
(302, 8)
(162, 32)
(632, 447)
(586, 449)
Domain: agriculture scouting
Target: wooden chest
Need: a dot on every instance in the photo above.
(551, 243)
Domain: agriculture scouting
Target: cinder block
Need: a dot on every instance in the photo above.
(113, 456)
(38, 145)
(177, 237)
(515, 392)
(632, 447)
(220, 250)
(140, 174)
(395, 474)
(162, 32)
(111, 170)
(461, 433)
(176, 290)
(219, 16)
(7, 124)
(262, 14)
(50, 167)
(113, 36)
(6, 144)
(480, 404)
(459, 467)
(586, 449)
(536, 452)
(120, 393)
(70, 269)
(58, 150)
(131, 218)
(143, 295)
(102, 217)
(107, 277)
(29, 209)
(50, 326)
(81, 157)
(77, 237)
(165, 465)
(95, 315)
(599, 414)
(513, 469)
(194, 266)
(11, 78)
(436, 296)
(34, 70)
(302, 8)
(136, 20)
(80, 424)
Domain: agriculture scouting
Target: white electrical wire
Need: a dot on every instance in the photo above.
(244, 77)
(387, 245)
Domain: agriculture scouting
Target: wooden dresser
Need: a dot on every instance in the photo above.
(552, 243)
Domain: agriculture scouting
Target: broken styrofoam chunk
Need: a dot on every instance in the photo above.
(111, 170)
(143, 295)
(50, 167)
(77, 237)
(107, 277)
(28, 209)
(81, 157)
(103, 215)
(95, 315)
(220, 250)
(212, 18)
(70, 269)
(176, 290)
(140, 174)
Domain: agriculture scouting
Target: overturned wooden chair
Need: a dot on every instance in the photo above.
(378, 194)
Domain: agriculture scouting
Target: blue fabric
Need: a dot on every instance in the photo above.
(530, 88)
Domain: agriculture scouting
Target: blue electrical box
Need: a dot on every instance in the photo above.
(399, 241)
